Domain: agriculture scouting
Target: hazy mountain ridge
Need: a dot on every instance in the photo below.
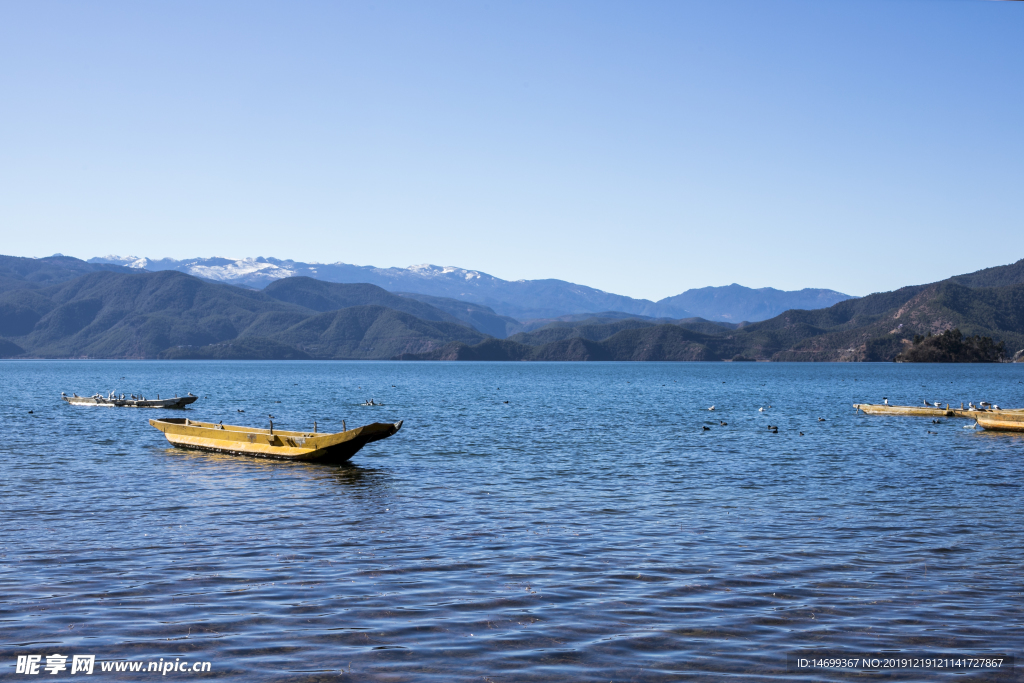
(167, 314)
(521, 299)
(751, 305)
(878, 327)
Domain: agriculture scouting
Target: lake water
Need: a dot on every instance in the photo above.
(530, 522)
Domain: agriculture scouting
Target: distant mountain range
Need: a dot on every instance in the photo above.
(878, 327)
(60, 307)
(522, 300)
(109, 314)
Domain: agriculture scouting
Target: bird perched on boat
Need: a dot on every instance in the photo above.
(927, 403)
(886, 401)
(995, 407)
(937, 404)
(970, 406)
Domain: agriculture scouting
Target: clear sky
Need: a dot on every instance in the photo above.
(640, 147)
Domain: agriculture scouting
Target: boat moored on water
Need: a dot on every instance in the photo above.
(273, 443)
(113, 400)
(992, 418)
(915, 411)
(1001, 420)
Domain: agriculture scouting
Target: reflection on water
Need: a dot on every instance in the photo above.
(588, 529)
(346, 474)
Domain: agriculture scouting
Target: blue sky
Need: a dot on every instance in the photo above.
(642, 148)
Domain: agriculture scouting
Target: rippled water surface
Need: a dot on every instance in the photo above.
(530, 522)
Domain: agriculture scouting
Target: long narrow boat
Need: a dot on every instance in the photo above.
(273, 443)
(1002, 420)
(113, 401)
(916, 411)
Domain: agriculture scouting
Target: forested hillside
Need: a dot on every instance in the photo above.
(64, 308)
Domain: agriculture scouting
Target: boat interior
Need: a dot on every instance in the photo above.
(184, 421)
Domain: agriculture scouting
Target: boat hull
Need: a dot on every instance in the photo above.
(914, 411)
(277, 444)
(177, 402)
(1002, 420)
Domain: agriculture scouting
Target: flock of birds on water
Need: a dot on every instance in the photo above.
(774, 429)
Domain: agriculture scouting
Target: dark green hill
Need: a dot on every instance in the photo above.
(662, 342)
(592, 328)
(477, 316)
(996, 312)
(21, 309)
(652, 342)
(9, 349)
(372, 332)
(27, 273)
(999, 276)
(173, 315)
(251, 348)
(330, 296)
(714, 329)
(951, 347)
(139, 315)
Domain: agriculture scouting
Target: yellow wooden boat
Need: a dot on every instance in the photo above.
(915, 411)
(273, 443)
(1001, 420)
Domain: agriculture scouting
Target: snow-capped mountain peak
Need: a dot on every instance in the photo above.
(430, 270)
(522, 299)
